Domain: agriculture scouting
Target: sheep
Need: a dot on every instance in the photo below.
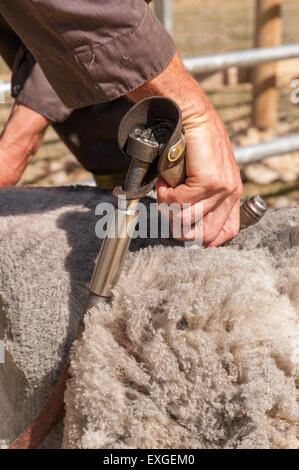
(197, 349)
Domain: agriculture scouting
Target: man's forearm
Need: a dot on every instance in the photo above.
(24, 128)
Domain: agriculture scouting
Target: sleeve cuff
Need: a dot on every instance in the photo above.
(128, 62)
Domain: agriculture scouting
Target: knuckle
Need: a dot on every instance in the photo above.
(161, 197)
(234, 189)
(167, 197)
(234, 186)
(207, 241)
(230, 188)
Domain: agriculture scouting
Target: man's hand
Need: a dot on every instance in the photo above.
(19, 142)
(213, 176)
(213, 180)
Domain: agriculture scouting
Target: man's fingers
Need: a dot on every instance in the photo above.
(214, 221)
(230, 229)
(193, 233)
(187, 193)
(162, 190)
(213, 213)
(183, 197)
(216, 227)
(185, 214)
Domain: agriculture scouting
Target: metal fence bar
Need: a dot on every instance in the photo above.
(257, 152)
(163, 10)
(243, 58)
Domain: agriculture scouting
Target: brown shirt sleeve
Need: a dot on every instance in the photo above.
(91, 52)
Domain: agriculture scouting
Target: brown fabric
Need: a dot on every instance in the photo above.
(31, 88)
(91, 52)
(29, 84)
(89, 133)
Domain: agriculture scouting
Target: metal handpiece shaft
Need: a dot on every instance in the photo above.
(114, 248)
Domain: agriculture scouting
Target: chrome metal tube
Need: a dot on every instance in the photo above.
(114, 249)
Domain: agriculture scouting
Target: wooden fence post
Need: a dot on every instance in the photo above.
(268, 33)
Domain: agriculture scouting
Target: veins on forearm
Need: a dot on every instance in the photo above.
(175, 83)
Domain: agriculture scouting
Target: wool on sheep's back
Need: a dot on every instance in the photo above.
(198, 349)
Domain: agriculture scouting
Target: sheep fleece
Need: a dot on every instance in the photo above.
(198, 349)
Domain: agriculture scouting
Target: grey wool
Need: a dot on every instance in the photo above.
(48, 248)
(198, 348)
